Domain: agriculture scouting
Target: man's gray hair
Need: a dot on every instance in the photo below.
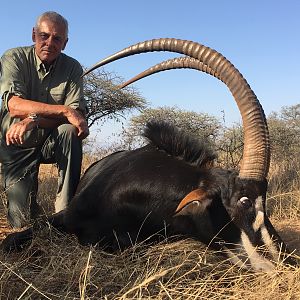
(53, 17)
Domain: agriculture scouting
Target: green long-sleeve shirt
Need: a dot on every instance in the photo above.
(23, 74)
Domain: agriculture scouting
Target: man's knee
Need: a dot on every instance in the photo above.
(68, 130)
(68, 137)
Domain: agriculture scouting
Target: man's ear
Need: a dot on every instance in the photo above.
(65, 44)
(193, 203)
(33, 35)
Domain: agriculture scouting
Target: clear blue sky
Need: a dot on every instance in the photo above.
(260, 37)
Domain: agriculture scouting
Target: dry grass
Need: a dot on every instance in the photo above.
(55, 266)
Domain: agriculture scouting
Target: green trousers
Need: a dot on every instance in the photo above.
(20, 167)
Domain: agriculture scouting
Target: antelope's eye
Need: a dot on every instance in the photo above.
(245, 202)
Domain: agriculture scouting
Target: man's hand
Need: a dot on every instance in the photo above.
(21, 108)
(16, 132)
(76, 118)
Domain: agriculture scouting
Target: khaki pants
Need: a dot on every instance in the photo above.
(20, 168)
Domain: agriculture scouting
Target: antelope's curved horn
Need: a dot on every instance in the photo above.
(256, 153)
(185, 62)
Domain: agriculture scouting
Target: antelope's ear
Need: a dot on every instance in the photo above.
(193, 203)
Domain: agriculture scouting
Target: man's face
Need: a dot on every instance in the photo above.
(50, 39)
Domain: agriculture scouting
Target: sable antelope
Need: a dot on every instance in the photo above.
(169, 186)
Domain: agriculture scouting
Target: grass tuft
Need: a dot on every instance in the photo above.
(55, 266)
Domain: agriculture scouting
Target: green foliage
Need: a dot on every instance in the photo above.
(229, 144)
(284, 128)
(106, 101)
(198, 124)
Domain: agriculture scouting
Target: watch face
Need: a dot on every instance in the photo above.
(33, 116)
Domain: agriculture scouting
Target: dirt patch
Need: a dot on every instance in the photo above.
(290, 233)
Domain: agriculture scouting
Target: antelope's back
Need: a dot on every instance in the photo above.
(129, 187)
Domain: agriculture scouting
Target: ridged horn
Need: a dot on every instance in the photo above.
(256, 152)
(185, 62)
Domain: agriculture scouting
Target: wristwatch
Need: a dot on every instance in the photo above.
(34, 117)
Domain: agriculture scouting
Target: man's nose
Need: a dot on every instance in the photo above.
(50, 40)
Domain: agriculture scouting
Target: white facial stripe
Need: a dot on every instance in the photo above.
(258, 262)
(269, 243)
(256, 259)
(259, 223)
(259, 204)
(260, 219)
(235, 260)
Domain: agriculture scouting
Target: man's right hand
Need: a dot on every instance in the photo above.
(76, 118)
(15, 134)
